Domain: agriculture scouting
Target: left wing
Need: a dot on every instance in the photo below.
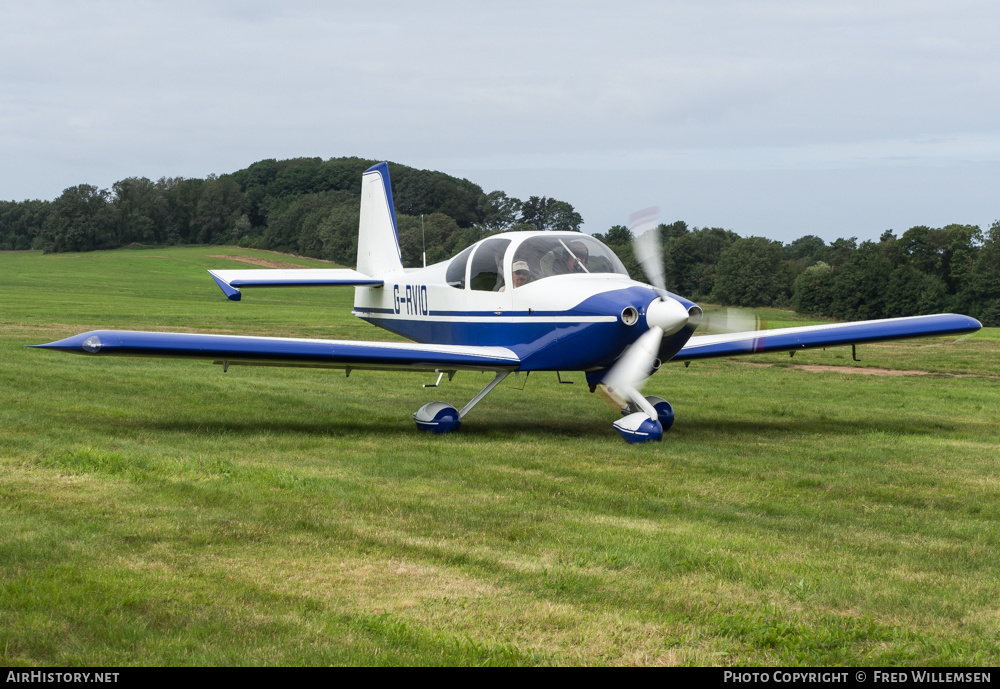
(230, 281)
(286, 351)
(827, 335)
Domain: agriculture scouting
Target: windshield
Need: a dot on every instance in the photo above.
(544, 257)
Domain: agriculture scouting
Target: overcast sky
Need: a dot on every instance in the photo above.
(779, 118)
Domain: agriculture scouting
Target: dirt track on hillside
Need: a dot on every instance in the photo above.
(258, 261)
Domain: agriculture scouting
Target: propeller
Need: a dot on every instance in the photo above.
(731, 321)
(633, 367)
(664, 315)
(645, 227)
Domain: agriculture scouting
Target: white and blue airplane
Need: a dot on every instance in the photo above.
(517, 301)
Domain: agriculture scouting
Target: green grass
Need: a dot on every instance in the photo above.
(162, 512)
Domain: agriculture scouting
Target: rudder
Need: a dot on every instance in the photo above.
(378, 240)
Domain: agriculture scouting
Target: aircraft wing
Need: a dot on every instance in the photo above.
(285, 351)
(827, 335)
(230, 281)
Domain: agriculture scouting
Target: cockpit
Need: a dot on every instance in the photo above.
(500, 263)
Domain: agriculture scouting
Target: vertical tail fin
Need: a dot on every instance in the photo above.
(378, 241)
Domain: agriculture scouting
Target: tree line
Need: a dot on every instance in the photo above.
(311, 207)
(306, 205)
(955, 268)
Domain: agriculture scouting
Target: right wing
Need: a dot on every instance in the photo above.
(287, 351)
(230, 281)
(826, 335)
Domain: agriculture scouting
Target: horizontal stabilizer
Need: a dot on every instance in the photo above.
(286, 351)
(827, 335)
(231, 281)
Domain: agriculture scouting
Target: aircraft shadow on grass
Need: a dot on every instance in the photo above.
(715, 430)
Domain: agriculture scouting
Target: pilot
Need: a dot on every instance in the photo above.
(574, 260)
(522, 274)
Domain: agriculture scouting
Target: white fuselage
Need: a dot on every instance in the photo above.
(557, 321)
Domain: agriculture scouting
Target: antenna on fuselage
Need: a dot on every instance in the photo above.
(423, 240)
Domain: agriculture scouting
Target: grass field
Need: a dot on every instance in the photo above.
(162, 512)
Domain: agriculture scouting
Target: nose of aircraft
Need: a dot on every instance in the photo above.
(669, 314)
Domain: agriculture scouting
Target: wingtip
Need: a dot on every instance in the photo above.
(89, 342)
(59, 345)
(966, 323)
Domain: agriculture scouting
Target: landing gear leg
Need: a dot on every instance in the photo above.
(439, 417)
(664, 411)
(482, 393)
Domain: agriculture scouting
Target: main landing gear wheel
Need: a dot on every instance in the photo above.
(437, 417)
(441, 417)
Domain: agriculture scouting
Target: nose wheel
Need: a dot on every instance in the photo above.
(639, 428)
(636, 424)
